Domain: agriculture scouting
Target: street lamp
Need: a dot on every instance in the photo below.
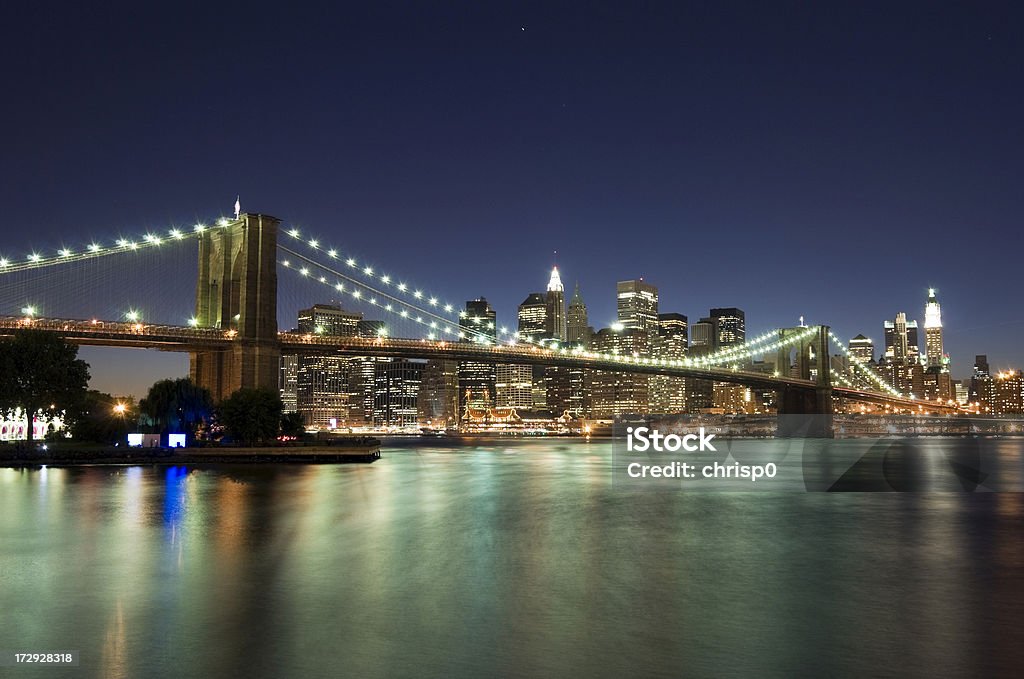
(120, 409)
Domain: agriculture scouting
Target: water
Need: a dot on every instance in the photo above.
(510, 558)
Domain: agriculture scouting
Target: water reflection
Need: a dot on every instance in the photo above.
(508, 558)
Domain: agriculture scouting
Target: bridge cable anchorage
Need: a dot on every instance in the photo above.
(371, 273)
(99, 248)
(391, 304)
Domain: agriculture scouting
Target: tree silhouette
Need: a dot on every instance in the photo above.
(252, 416)
(176, 406)
(39, 369)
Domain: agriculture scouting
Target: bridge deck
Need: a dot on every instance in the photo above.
(187, 339)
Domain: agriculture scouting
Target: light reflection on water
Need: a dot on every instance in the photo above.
(511, 558)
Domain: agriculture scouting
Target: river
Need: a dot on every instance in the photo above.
(498, 558)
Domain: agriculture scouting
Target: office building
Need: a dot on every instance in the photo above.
(577, 328)
(478, 323)
(862, 349)
(637, 304)
(555, 302)
(731, 326)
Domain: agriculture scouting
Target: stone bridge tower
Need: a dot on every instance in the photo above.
(236, 291)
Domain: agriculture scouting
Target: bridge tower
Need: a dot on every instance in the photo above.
(815, 400)
(236, 290)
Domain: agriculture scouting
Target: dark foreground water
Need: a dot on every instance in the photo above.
(500, 559)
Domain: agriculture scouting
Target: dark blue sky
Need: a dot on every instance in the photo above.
(830, 161)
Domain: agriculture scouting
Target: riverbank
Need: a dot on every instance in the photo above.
(57, 456)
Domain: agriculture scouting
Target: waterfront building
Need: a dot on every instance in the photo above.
(616, 393)
(396, 391)
(476, 379)
(289, 383)
(438, 398)
(668, 394)
(1008, 392)
(514, 386)
(322, 383)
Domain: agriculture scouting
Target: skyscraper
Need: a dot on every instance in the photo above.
(555, 299)
(577, 328)
(438, 398)
(322, 383)
(901, 339)
(533, 327)
(513, 386)
(933, 331)
(396, 391)
(862, 349)
(704, 334)
(533, 317)
(637, 304)
(476, 379)
(668, 394)
(616, 393)
(731, 324)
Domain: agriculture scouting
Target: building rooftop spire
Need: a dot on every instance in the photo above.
(555, 284)
(577, 298)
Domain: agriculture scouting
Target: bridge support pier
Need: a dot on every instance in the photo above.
(807, 412)
(237, 291)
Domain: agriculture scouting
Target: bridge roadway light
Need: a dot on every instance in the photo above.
(132, 315)
(29, 311)
(193, 322)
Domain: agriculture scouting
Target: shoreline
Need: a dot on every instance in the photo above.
(176, 456)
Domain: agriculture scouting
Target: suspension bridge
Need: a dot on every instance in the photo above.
(233, 340)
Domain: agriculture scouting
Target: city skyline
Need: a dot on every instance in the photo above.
(168, 365)
(770, 161)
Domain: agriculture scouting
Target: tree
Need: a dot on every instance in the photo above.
(176, 406)
(292, 425)
(103, 419)
(39, 369)
(252, 416)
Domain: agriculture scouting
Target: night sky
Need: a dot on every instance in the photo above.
(828, 162)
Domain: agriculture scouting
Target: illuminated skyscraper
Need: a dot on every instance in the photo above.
(396, 391)
(732, 326)
(901, 339)
(556, 307)
(1008, 393)
(637, 304)
(476, 379)
(323, 392)
(533, 317)
(617, 393)
(513, 386)
(862, 349)
(933, 331)
(704, 334)
(668, 394)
